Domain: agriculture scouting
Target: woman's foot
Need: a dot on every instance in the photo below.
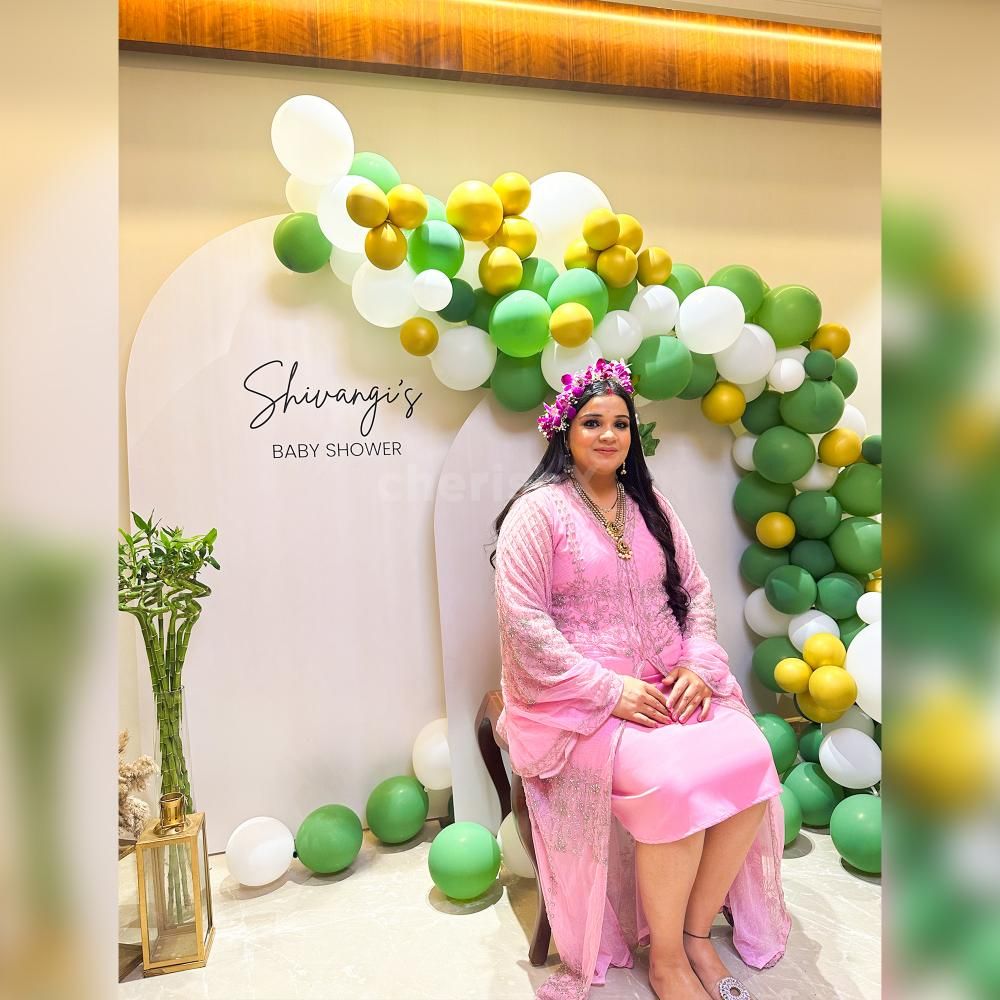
(674, 979)
(705, 962)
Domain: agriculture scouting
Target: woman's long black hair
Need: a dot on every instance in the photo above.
(638, 484)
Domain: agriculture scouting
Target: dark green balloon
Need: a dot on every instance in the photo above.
(783, 455)
(856, 832)
(809, 742)
(780, 737)
(375, 168)
(702, 379)
(436, 246)
(857, 545)
(481, 311)
(878, 734)
(744, 282)
(683, 280)
(871, 449)
(790, 590)
(758, 560)
(621, 298)
(756, 496)
(816, 513)
(518, 383)
(537, 276)
(397, 809)
(329, 839)
(815, 557)
(762, 413)
(463, 301)
(818, 795)
(299, 243)
(845, 376)
(837, 595)
(820, 365)
(661, 367)
(790, 314)
(519, 324)
(813, 408)
(859, 489)
(793, 815)
(767, 655)
(849, 628)
(583, 286)
(464, 860)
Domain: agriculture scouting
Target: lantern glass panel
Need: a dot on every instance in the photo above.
(170, 903)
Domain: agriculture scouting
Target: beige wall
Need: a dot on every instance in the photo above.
(795, 195)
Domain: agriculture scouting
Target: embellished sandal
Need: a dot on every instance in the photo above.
(728, 988)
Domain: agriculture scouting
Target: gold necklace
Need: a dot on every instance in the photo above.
(615, 528)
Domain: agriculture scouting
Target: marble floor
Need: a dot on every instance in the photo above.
(382, 931)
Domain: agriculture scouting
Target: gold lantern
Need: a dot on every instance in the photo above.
(175, 897)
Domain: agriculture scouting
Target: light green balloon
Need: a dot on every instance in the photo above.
(683, 280)
(661, 367)
(582, 286)
(537, 275)
(436, 246)
(703, 375)
(376, 168)
(435, 209)
(518, 383)
(464, 860)
(300, 244)
(744, 282)
(519, 324)
(790, 314)
(621, 298)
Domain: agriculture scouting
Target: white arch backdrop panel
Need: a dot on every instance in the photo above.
(492, 455)
(317, 658)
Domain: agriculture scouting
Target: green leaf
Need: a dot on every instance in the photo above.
(211, 537)
(648, 442)
(140, 523)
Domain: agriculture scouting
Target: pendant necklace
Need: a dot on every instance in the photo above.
(615, 528)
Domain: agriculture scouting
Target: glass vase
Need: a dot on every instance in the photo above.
(173, 743)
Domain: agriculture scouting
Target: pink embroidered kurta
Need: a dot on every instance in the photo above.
(573, 619)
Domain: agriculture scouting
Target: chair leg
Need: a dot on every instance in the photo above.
(491, 757)
(542, 935)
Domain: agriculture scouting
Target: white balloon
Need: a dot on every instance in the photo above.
(559, 204)
(312, 139)
(851, 758)
(749, 358)
(431, 756)
(743, 451)
(618, 335)
(331, 213)
(259, 851)
(810, 623)
(469, 271)
(819, 477)
(853, 718)
(753, 390)
(515, 857)
(302, 197)
(432, 290)
(464, 357)
(345, 265)
(786, 374)
(710, 319)
(655, 309)
(797, 353)
(762, 617)
(385, 298)
(854, 420)
(869, 607)
(558, 360)
(864, 664)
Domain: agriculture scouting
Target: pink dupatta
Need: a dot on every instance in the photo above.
(572, 615)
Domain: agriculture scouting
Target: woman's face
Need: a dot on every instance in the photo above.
(599, 436)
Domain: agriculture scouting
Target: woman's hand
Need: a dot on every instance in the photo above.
(641, 702)
(688, 692)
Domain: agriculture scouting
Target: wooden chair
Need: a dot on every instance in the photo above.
(511, 794)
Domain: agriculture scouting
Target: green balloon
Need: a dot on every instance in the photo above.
(481, 311)
(818, 795)
(857, 545)
(814, 408)
(758, 560)
(871, 449)
(744, 282)
(820, 365)
(783, 455)
(756, 496)
(329, 839)
(856, 832)
(583, 286)
(780, 737)
(435, 209)
(790, 314)
(845, 376)
(683, 280)
(621, 298)
(809, 741)
(815, 557)
(463, 301)
(767, 655)
(436, 246)
(375, 168)
(816, 513)
(849, 628)
(519, 324)
(978, 957)
(518, 383)
(397, 809)
(464, 860)
(299, 243)
(661, 367)
(762, 413)
(790, 590)
(837, 594)
(859, 489)
(703, 376)
(537, 276)
(793, 815)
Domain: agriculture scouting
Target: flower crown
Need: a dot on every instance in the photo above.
(557, 416)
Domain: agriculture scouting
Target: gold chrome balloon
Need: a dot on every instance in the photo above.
(824, 649)
(407, 206)
(571, 324)
(631, 232)
(500, 270)
(874, 586)
(367, 205)
(724, 403)
(514, 190)
(839, 447)
(579, 254)
(517, 233)
(775, 530)
(831, 337)
(792, 675)
(654, 266)
(419, 336)
(385, 246)
(833, 688)
(617, 266)
(815, 712)
(601, 228)
(475, 210)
